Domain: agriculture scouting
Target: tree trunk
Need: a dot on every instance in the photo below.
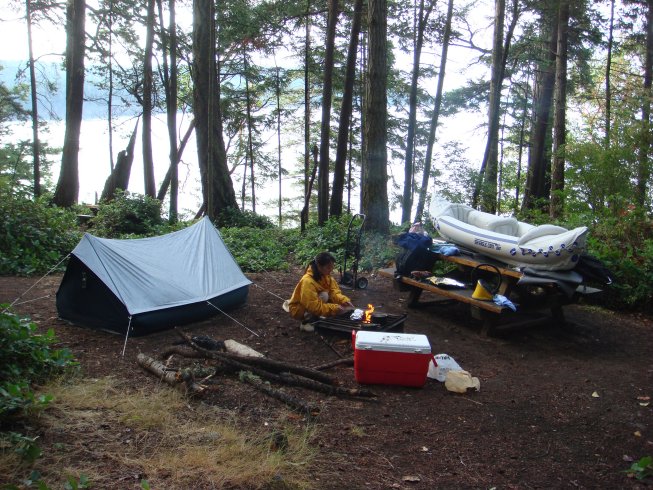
(277, 93)
(169, 44)
(409, 163)
(486, 183)
(608, 85)
(67, 189)
(119, 177)
(309, 188)
(436, 113)
(325, 133)
(375, 191)
(109, 62)
(167, 180)
(217, 187)
(148, 159)
(307, 114)
(559, 126)
(536, 180)
(250, 125)
(36, 159)
(345, 113)
(644, 164)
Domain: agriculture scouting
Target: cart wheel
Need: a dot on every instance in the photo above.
(361, 283)
(347, 279)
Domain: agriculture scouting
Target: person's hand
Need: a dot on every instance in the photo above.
(345, 307)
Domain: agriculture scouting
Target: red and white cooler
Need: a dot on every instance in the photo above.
(391, 358)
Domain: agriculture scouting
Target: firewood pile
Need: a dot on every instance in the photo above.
(248, 366)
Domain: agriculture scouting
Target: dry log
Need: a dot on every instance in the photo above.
(173, 378)
(239, 349)
(289, 400)
(289, 379)
(275, 366)
(181, 351)
(271, 365)
(338, 362)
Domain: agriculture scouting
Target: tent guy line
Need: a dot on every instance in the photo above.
(52, 269)
(232, 318)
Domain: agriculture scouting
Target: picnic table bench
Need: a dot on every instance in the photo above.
(546, 305)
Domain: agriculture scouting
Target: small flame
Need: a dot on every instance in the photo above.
(368, 314)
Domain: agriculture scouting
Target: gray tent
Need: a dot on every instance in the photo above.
(149, 284)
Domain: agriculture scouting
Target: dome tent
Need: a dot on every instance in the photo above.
(150, 284)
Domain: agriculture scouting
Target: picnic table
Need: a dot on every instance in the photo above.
(543, 303)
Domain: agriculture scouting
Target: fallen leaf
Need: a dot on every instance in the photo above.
(637, 433)
(644, 398)
(596, 394)
(644, 404)
(425, 449)
(627, 459)
(411, 479)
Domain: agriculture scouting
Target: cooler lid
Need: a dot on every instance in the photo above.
(393, 342)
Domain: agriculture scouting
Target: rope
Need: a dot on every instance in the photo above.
(34, 285)
(232, 318)
(31, 300)
(270, 292)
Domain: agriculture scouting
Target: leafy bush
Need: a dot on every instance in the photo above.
(27, 359)
(235, 218)
(625, 245)
(128, 215)
(256, 249)
(34, 236)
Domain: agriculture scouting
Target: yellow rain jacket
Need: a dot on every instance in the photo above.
(305, 296)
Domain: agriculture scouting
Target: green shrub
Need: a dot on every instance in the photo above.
(625, 245)
(257, 250)
(235, 218)
(128, 216)
(34, 237)
(27, 359)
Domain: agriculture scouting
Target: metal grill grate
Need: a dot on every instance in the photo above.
(342, 326)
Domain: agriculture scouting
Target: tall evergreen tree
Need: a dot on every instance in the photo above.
(375, 191)
(67, 189)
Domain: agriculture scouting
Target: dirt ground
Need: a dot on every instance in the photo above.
(559, 406)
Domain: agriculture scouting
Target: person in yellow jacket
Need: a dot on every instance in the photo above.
(317, 293)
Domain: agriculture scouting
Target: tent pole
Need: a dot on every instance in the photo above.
(124, 347)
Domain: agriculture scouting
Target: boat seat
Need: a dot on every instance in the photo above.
(497, 224)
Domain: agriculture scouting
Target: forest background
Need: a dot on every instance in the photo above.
(563, 90)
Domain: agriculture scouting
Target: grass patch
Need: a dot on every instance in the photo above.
(116, 437)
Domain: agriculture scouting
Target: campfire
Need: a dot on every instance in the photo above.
(370, 320)
(367, 318)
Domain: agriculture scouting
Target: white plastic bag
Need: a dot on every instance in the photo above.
(445, 363)
(461, 381)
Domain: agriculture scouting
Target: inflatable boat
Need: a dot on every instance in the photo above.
(543, 247)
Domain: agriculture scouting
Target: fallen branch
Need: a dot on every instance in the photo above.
(180, 381)
(289, 379)
(289, 400)
(271, 365)
(275, 366)
(181, 351)
(338, 362)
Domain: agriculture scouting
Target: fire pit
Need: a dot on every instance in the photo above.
(342, 325)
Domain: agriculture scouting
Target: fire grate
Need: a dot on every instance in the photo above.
(342, 326)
